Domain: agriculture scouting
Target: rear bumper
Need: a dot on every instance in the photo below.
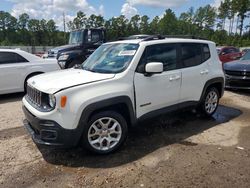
(236, 82)
(49, 133)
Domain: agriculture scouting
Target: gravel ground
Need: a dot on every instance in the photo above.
(180, 150)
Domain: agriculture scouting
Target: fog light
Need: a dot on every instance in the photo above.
(48, 135)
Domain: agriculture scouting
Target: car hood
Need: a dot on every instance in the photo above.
(55, 81)
(241, 65)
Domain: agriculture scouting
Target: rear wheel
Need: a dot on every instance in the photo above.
(105, 132)
(210, 102)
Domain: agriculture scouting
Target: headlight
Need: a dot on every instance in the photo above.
(52, 101)
(63, 57)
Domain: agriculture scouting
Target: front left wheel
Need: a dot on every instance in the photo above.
(105, 132)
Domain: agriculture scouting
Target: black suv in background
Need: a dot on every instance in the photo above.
(81, 44)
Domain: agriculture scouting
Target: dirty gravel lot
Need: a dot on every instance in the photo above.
(180, 150)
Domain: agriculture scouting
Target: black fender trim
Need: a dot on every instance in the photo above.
(90, 109)
(218, 80)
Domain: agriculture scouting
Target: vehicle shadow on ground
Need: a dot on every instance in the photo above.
(11, 97)
(144, 139)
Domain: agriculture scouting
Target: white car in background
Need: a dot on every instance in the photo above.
(17, 66)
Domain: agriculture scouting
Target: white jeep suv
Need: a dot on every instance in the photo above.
(119, 85)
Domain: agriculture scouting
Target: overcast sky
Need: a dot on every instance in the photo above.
(54, 9)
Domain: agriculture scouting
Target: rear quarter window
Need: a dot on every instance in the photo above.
(206, 52)
(191, 54)
(194, 54)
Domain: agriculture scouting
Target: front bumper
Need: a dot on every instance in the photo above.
(53, 136)
(237, 82)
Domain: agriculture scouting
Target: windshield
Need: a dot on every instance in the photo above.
(76, 37)
(111, 58)
(246, 56)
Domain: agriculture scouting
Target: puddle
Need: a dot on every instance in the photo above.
(225, 114)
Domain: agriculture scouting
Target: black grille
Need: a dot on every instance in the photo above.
(237, 73)
(38, 99)
(239, 83)
(34, 96)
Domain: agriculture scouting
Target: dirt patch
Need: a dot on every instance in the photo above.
(177, 150)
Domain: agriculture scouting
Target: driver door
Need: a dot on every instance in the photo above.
(94, 40)
(157, 91)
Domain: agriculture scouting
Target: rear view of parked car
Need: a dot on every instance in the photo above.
(227, 54)
(17, 66)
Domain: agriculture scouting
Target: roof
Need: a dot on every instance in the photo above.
(157, 41)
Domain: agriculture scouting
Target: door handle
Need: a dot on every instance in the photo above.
(172, 78)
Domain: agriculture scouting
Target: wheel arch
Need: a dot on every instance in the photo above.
(218, 83)
(121, 104)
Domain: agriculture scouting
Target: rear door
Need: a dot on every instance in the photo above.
(195, 70)
(12, 67)
(157, 91)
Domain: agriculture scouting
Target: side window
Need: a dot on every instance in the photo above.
(206, 52)
(191, 54)
(164, 53)
(234, 50)
(11, 57)
(237, 50)
(226, 51)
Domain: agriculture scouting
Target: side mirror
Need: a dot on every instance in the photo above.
(154, 68)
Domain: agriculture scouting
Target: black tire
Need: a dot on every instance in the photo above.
(105, 114)
(203, 107)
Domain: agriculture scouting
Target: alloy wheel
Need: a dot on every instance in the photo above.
(104, 134)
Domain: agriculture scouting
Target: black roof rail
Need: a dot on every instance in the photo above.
(185, 37)
(154, 37)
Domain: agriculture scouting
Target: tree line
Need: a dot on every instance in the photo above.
(225, 25)
(26, 31)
